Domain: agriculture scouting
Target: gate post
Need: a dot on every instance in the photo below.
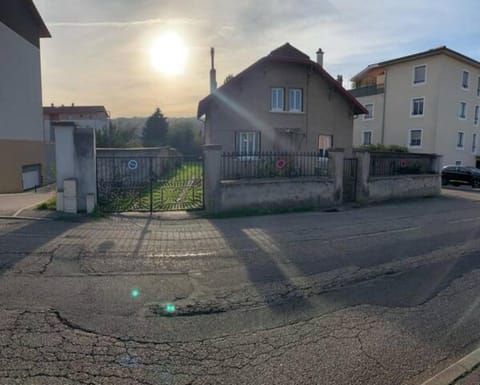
(363, 170)
(212, 166)
(337, 156)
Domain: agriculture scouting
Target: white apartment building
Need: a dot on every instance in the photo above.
(428, 102)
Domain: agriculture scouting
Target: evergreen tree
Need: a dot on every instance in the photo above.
(155, 130)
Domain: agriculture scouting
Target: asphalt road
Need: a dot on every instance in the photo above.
(385, 294)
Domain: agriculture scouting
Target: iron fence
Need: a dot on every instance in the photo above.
(391, 164)
(273, 164)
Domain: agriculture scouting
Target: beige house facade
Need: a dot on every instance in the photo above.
(428, 102)
(283, 102)
(25, 151)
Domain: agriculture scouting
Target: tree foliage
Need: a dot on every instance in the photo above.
(112, 137)
(185, 137)
(155, 130)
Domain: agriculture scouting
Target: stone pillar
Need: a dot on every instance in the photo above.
(437, 164)
(337, 156)
(363, 173)
(65, 158)
(212, 162)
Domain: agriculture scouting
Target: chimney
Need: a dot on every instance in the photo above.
(73, 104)
(320, 57)
(52, 105)
(213, 72)
(340, 79)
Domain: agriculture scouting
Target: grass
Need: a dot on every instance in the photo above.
(50, 204)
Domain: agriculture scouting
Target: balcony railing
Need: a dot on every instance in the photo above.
(367, 91)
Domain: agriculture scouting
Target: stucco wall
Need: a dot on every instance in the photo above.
(245, 106)
(20, 91)
(399, 187)
(374, 125)
(14, 154)
(276, 193)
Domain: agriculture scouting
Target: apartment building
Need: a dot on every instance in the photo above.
(26, 156)
(428, 102)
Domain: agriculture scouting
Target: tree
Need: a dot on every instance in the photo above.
(185, 137)
(113, 137)
(228, 78)
(155, 130)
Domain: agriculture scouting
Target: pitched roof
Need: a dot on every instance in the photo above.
(286, 54)
(431, 52)
(42, 28)
(70, 110)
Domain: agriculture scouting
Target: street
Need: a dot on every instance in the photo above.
(385, 294)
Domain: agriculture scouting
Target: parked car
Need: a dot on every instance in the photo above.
(457, 175)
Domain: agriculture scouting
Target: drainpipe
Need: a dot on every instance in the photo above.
(384, 107)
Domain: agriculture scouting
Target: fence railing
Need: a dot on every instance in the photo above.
(391, 164)
(273, 164)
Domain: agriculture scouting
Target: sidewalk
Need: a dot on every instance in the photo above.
(14, 204)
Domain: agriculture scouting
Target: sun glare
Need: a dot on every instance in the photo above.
(168, 54)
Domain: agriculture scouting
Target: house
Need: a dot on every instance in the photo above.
(428, 102)
(95, 117)
(25, 153)
(283, 102)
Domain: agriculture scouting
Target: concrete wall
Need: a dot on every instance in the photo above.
(245, 106)
(276, 193)
(135, 152)
(401, 187)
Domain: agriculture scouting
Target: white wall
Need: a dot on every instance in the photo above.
(20, 88)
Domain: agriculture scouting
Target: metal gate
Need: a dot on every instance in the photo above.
(350, 166)
(150, 183)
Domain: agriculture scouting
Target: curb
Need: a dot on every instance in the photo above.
(25, 218)
(456, 371)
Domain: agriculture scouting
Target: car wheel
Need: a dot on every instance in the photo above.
(476, 184)
(444, 181)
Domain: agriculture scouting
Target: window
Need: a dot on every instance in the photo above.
(462, 112)
(474, 143)
(295, 100)
(460, 139)
(415, 139)
(247, 143)
(476, 115)
(420, 74)
(325, 142)
(369, 114)
(478, 86)
(465, 76)
(458, 163)
(417, 106)
(277, 102)
(367, 138)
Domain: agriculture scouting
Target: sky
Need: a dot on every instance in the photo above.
(99, 53)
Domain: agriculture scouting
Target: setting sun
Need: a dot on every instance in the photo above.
(168, 54)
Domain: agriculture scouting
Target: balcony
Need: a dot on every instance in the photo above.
(367, 91)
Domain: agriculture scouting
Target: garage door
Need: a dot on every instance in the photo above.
(31, 176)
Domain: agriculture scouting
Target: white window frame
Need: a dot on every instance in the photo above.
(413, 75)
(410, 138)
(468, 80)
(295, 91)
(248, 154)
(462, 146)
(460, 109)
(476, 115)
(362, 139)
(474, 143)
(276, 99)
(412, 115)
(372, 115)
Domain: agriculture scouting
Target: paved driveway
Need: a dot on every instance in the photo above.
(381, 295)
(11, 204)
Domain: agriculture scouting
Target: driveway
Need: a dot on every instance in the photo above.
(11, 204)
(381, 295)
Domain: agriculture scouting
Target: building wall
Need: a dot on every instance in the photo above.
(20, 91)
(14, 154)
(360, 124)
(449, 124)
(245, 106)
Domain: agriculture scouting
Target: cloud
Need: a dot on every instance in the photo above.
(126, 23)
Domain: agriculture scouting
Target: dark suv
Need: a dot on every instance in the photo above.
(458, 175)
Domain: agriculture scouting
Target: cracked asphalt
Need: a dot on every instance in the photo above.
(378, 295)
